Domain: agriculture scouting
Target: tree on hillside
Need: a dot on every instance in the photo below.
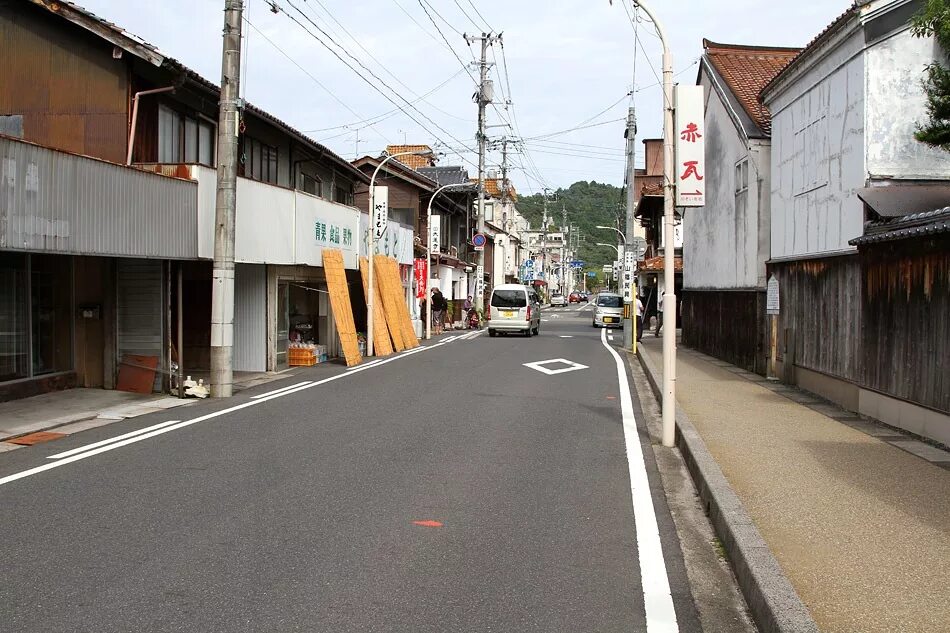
(934, 20)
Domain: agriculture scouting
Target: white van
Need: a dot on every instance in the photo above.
(514, 308)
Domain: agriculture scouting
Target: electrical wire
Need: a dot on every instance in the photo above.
(467, 16)
(490, 29)
(361, 76)
(572, 129)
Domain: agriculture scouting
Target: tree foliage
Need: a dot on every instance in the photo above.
(934, 20)
(587, 204)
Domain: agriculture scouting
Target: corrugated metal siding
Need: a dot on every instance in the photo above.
(72, 93)
(61, 203)
(250, 317)
(139, 314)
(727, 324)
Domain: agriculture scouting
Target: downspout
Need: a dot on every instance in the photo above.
(135, 115)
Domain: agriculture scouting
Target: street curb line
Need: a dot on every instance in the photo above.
(772, 601)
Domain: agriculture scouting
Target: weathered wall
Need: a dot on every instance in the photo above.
(723, 248)
(818, 132)
(727, 324)
(895, 104)
(905, 301)
(64, 82)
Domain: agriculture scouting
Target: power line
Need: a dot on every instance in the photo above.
(361, 76)
(467, 16)
(481, 16)
(573, 129)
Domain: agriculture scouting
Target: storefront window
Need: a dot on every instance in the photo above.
(14, 328)
(50, 313)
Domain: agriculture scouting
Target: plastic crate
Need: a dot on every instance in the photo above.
(301, 357)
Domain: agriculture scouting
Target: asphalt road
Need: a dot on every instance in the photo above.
(448, 489)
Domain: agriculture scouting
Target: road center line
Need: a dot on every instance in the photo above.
(115, 443)
(657, 598)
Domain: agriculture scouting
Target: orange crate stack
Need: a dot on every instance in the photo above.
(297, 357)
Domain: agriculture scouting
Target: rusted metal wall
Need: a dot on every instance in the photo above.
(71, 92)
(906, 320)
(880, 320)
(727, 324)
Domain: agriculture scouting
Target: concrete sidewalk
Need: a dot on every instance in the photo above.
(75, 410)
(860, 525)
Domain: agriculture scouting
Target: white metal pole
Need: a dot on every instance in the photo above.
(429, 254)
(669, 294)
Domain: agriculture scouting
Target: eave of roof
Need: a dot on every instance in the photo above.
(396, 168)
(819, 39)
(915, 225)
(143, 50)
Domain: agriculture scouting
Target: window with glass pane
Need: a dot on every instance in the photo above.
(50, 313)
(191, 140)
(14, 324)
(206, 143)
(169, 135)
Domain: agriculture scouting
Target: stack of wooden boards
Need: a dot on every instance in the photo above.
(392, 324)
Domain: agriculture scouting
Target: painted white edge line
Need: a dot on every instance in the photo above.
(364, 365)
(111, 439)
(270, 393)
(116, 443)
(657, 598)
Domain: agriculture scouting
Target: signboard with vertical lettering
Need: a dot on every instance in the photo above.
(380, 210)
(690, 155)
(435, 233)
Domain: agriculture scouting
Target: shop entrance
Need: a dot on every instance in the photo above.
(303, 316)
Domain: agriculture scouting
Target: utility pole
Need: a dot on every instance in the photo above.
(630, 307)
(544, 237)
(483, 98)
(222, 289)
(563, 279)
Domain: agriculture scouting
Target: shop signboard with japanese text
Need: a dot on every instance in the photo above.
(396, 242)
(380, 210)
(421, 268)
(690, 154)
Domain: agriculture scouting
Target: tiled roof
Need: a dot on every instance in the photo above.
(410, 160)
(493, 188)
(652, 190)
(449, 175)
(830, 30)
(746, 70)
(913, 225)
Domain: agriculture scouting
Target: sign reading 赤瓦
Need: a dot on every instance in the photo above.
(690, 132)
(380, 213)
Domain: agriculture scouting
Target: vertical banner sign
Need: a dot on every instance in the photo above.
(435, 234)
(479, 280)
(421, 269)
(690, 155)
(380, 210)
(629, 262)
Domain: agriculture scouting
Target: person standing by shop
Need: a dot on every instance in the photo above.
(439, 306)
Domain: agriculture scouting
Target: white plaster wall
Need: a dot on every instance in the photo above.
(895, 104)
(818, 155)
(722, 246)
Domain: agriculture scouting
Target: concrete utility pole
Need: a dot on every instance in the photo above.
(630, 308)
(222, 289)
(563, 279)
(483, 98)
(544, 237)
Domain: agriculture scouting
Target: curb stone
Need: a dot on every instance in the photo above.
(772, 601)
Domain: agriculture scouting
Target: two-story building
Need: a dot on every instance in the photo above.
(107, 157)
(724, 276)
(866, 329)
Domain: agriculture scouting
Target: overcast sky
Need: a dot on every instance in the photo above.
(569, 62)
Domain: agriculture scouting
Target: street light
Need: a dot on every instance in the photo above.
(669, 290)
(371, 288)
(622, 236)
(429, 252)
(613, 246)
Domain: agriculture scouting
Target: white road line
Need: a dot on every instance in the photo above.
(111, 440)
(364, 365)
(270, 393)
(449, 339)
(116, 443)
(657, 598)
(566, 336)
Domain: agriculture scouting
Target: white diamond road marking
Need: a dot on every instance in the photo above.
(571, 366)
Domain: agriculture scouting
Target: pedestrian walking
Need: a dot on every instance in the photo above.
(659, 315)
(439, 306)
